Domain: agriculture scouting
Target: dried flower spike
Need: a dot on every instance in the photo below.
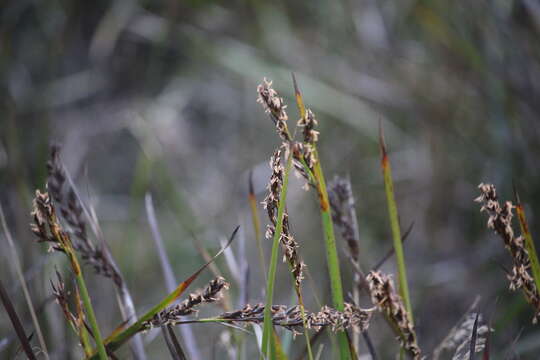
(45, 225)
(290, 318)
(61, 296)
(271, 203)
(173, 314)
(71, 211)
(500, 220)
(311, 136)
(273, 104)
(343, 213)
(384, 296)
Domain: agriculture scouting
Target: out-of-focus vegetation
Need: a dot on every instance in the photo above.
(160, 97)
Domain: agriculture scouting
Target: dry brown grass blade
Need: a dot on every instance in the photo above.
(391, 252)
(16, 322)
(176, 344)
(472, 347)
(22, 280)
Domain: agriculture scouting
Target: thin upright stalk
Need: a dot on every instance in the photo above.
(89, 310)
(332, 258)
(394, 224)
(270, 282)
(304, 323)
(19, 330)
(80, 325)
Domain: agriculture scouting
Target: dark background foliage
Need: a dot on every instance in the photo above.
(160, 96)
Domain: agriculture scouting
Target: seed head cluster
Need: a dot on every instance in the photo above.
(500, 220)
(174, 314)
(311, 136)
(271, 204)
(71, 211)
(302, 151)
(384, 296)
(342, 205)
(274, 105)
(291, 317)
(64, 195)
(46, 225)
(61, 295)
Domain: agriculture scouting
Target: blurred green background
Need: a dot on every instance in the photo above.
(159, 97)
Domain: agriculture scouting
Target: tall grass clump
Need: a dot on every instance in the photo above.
(304, 156)
(63, 221)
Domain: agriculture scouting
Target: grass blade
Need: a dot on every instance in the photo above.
(8, 305)
(176, 344)
(472, 350)
(391, 252)
(394, 224)
(18, 269)
(81, 284)
(119, 337)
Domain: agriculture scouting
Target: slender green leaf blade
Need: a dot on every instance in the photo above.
(394, 224)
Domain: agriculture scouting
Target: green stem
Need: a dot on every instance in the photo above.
(396, 232)
(85, 342)
(267, 325)
(90, 313)
(304, 323)
(331, 253)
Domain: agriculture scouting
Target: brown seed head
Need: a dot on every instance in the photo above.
(271, 204)
(273, 104)
(173, 314)
(290, 318)
(500, 220)
(385, 298)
